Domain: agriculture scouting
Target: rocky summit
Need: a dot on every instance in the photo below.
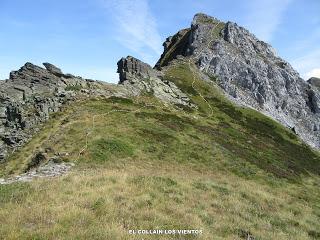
(250, 72)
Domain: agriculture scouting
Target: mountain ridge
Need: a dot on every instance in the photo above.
(166, 148)
(247, 69)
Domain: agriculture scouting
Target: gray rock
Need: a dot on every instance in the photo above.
(130, 68)
(53, 69)
(48, 170)
(138, 77)
(315, 82)
(32, 93)
(252, 74)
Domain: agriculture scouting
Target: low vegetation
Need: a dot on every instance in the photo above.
(74, 88)
(233, 174)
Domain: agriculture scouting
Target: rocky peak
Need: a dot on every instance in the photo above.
(202, 18)
(174, 46)
(242, 38)
(32, 75)
(250, 72)
(25, 70)
(182, 43)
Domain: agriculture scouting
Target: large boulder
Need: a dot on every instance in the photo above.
(130, 68)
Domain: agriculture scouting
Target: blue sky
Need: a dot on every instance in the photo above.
(88, 37)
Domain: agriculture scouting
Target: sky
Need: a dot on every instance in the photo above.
(88, 37)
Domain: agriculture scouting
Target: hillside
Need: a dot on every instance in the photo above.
(165, 149)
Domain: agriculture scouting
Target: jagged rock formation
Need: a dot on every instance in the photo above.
(31, 94)
(250, 73)
(139, 77)
(174, 46)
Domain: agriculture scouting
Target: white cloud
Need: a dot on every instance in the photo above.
(136, 27)
(307, 63)
(264, 17)
(313, 73)
(307, 52)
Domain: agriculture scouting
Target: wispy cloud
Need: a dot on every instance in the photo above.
(136, 27)
(265, 16)
(308, 64)
(307, 52)
(313, 73)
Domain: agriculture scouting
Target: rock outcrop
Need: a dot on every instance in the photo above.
(314, 82)
(29, 96)
(139, 77)
(251, 73)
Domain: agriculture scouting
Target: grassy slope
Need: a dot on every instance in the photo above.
(160, 167)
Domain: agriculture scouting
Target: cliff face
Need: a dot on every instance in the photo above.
(250, 73)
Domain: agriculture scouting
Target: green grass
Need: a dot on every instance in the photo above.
(14, 193)
(73, 88)
(230, 174)
(216, 33)
(245, 133)
(105, 149)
